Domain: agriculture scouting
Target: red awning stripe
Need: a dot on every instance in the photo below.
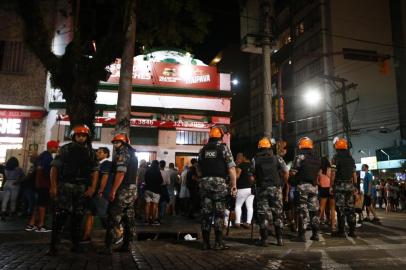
(33, 114)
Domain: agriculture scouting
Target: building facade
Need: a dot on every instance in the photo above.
(176, 100)
(321, 46)
(22, 91)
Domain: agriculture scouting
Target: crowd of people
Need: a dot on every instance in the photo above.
(79, 184)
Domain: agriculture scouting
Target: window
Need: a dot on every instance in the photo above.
(96, 137)
(191, 137)
(12, 55)
(144, 136)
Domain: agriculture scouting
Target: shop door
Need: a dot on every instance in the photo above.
(183, 159)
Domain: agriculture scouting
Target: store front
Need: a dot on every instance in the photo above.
(15, 123)
(176, 99)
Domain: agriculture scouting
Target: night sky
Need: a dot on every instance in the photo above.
(224, 28)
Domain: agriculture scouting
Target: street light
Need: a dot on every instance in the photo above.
(235, 82)
(383, 152)
(312, 97)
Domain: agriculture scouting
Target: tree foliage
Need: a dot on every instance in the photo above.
(78, 71)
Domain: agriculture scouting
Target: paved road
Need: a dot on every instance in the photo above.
(378, 246)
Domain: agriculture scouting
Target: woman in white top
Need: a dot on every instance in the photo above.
(243, 191)
(184, 193)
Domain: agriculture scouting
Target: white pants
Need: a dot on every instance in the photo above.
(10, 194)
(244, 195)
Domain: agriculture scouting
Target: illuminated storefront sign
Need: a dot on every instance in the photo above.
(137, 122)
(179, 74)
(10, 126)
(21, 114)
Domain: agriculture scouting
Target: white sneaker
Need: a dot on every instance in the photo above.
(30, 228)
(43, 230)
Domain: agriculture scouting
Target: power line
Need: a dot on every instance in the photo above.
(368, 41)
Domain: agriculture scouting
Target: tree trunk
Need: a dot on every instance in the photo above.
(80, 104)
(125, 84)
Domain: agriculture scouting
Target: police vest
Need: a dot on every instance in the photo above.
(309, 169)
(77, 163)
(344, 167)
(212, 160)
(131, 174)
(267, 170)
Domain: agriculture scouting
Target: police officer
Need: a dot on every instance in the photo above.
(268, 169)
(74, 175)
(343, 181)
(306, 167)
(215, 164)
(123, 193)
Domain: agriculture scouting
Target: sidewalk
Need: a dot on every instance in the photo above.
(378, 246)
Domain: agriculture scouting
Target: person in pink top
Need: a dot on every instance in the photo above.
(324, 192)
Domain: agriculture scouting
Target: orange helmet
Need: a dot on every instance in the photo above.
(340, 144)
(121, 137)
(80, 129)
(264, 143)
(216, 132)
(305, 143)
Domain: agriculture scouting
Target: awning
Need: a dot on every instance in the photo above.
(20, 111)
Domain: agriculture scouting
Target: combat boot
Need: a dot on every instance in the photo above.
(279, 233)
(315, 235)
(301, 232)
(53, 251)
(351, 232)
(219, 244)
(125, 247)
(264, 236)
(76, 248)
(206, 240)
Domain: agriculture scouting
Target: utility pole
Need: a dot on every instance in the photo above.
(342, 91)
(326, 48)
(266, 7)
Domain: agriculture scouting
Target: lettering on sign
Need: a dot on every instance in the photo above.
(10, 126)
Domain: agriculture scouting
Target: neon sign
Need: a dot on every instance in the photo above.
(10, 126)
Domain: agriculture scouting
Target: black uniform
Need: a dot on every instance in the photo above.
(307, 166)
(267, 169)
(122, 208)
(215, 159)
(344, 166)
(75, 164)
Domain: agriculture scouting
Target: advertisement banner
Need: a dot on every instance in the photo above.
(170, 75)
(21, 114)
(139, 122)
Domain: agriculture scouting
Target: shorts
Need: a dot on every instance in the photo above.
(367, 200)
(43, 197)
(151, 197)
(324, 192)
(98, 206)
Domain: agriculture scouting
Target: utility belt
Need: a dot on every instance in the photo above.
(217, 176)
(339, 181)
(268, 183)
(128, 186)
(301, 182)
(77, 181)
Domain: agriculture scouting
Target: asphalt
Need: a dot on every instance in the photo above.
(377, 246)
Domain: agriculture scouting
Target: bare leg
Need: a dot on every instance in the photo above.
(147, 211)
(323, 202)
(41, 216)
(88, 226)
